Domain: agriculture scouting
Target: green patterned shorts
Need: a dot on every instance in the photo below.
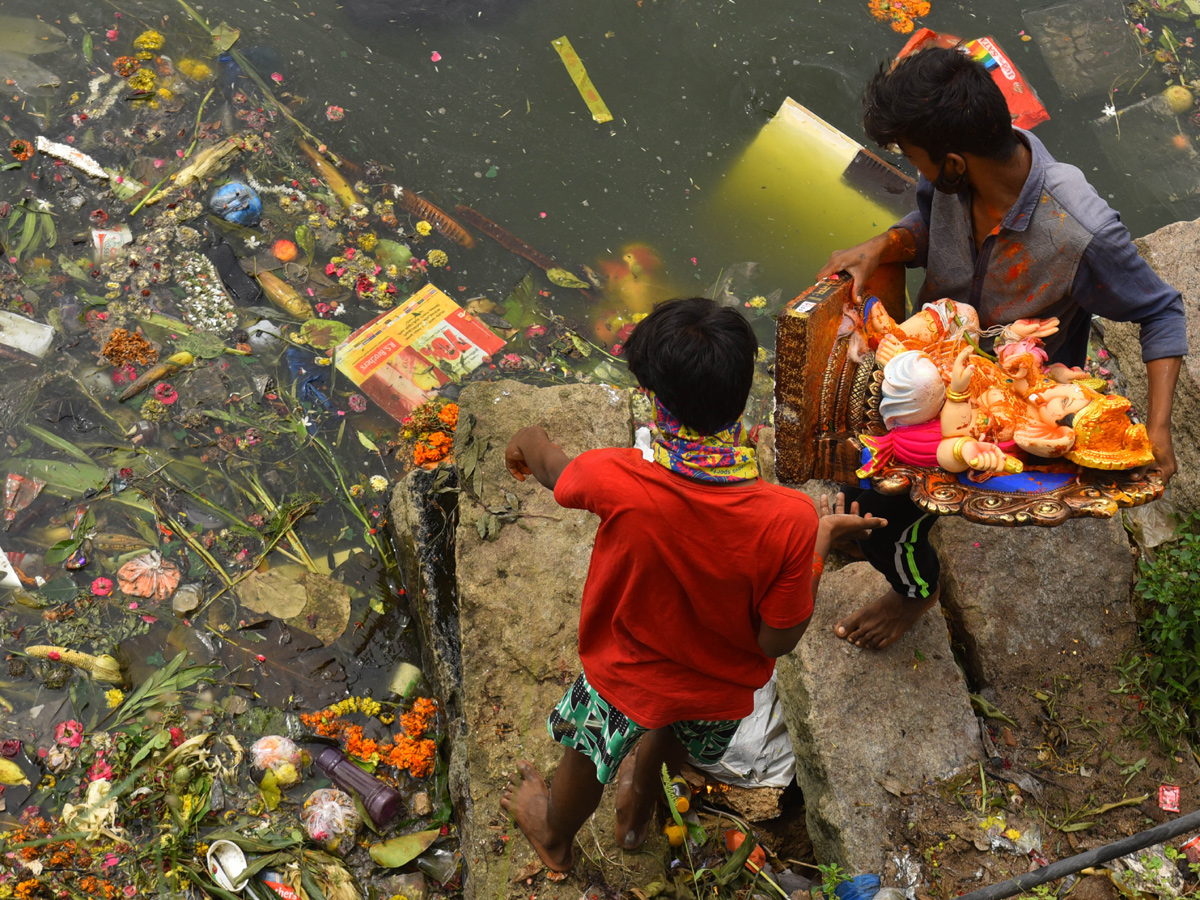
(585, 721)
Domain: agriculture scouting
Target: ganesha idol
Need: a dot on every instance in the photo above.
(947, 403)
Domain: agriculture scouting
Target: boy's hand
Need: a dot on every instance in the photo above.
(530, 452)
(839, 525)
(514, 458)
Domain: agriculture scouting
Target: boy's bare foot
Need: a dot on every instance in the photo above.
(633, 810)
(882, 623)
(528, 802)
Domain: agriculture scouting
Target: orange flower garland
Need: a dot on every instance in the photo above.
(900, 12)
(21, 149)
(408, 750)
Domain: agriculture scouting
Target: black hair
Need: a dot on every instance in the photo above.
(942, 101)
(698, 358)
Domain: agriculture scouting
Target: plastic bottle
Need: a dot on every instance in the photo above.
(681, 793)
(381, 801)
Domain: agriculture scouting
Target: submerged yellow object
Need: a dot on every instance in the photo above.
(285, 296)
(331, 176)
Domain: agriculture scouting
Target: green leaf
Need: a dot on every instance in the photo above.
(306, 242)
(270, 791)
(159, 742)
(64, 479)
(737, 862)
(225, 36)
(584, 348)
(8, 166)
(201, 344)
(58, 443)
(324, 333)
(563, 278)
(87, 46)
(519, 301)
(61, 551)
(404, 849)
(28, 230)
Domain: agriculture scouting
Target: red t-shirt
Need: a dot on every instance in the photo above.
(682, 573)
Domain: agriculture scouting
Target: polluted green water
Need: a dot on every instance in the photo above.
(196, 492)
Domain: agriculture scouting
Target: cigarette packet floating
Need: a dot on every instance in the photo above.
(579, 75)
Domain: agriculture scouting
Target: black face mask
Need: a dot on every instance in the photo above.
(957, 184)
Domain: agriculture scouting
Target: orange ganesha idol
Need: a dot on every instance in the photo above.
(944, 402)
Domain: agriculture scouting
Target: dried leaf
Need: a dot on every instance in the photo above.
(224, 36)
(367, 442)
(327, 610)
(270, 790)
(277, 592)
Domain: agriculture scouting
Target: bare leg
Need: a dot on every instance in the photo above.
(639, 785)
(550, 816)
(882, 623)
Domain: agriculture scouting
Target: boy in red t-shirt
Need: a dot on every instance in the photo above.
(701, 575)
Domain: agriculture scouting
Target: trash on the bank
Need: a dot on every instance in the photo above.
(102, 667)
(1191, 849)
(235, 202)
(401, 357)
(734, 838)
(71, 157)
(150, 576)
(331, 820)
(582, 81)
(24, 334)
(381, 801)
(404, 680)
(1027, 110)
(1146, 872)
(999, 834)
(226, 863)
(1168, 797)
(280, 756)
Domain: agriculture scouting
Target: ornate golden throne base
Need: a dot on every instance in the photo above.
(822, 405)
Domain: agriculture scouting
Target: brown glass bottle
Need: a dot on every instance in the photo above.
(381, 801)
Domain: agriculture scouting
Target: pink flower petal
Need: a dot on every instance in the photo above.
(276, 77)
(435, 56)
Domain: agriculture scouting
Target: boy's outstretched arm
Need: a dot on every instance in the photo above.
(530, 452)
(835, 524)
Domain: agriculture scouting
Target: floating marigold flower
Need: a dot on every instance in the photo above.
(335, 113)
(424, 228)
(149, 40)
(900, 13)
(448, 415)
(378, 484)
(126, 65)
(437, 258)
(143, 80)
(114, 698)
(21, 149)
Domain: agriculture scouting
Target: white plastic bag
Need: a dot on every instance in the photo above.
(760, 754)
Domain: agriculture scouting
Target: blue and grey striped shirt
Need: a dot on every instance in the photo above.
(1061, 251)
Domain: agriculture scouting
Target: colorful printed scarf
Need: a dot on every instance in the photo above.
(721, 457)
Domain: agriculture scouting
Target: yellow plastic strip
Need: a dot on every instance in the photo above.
(579, 75)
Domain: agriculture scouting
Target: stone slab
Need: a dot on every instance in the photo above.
(1172, 252)
(860, 719)
(518, 619)
(1017, 593)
